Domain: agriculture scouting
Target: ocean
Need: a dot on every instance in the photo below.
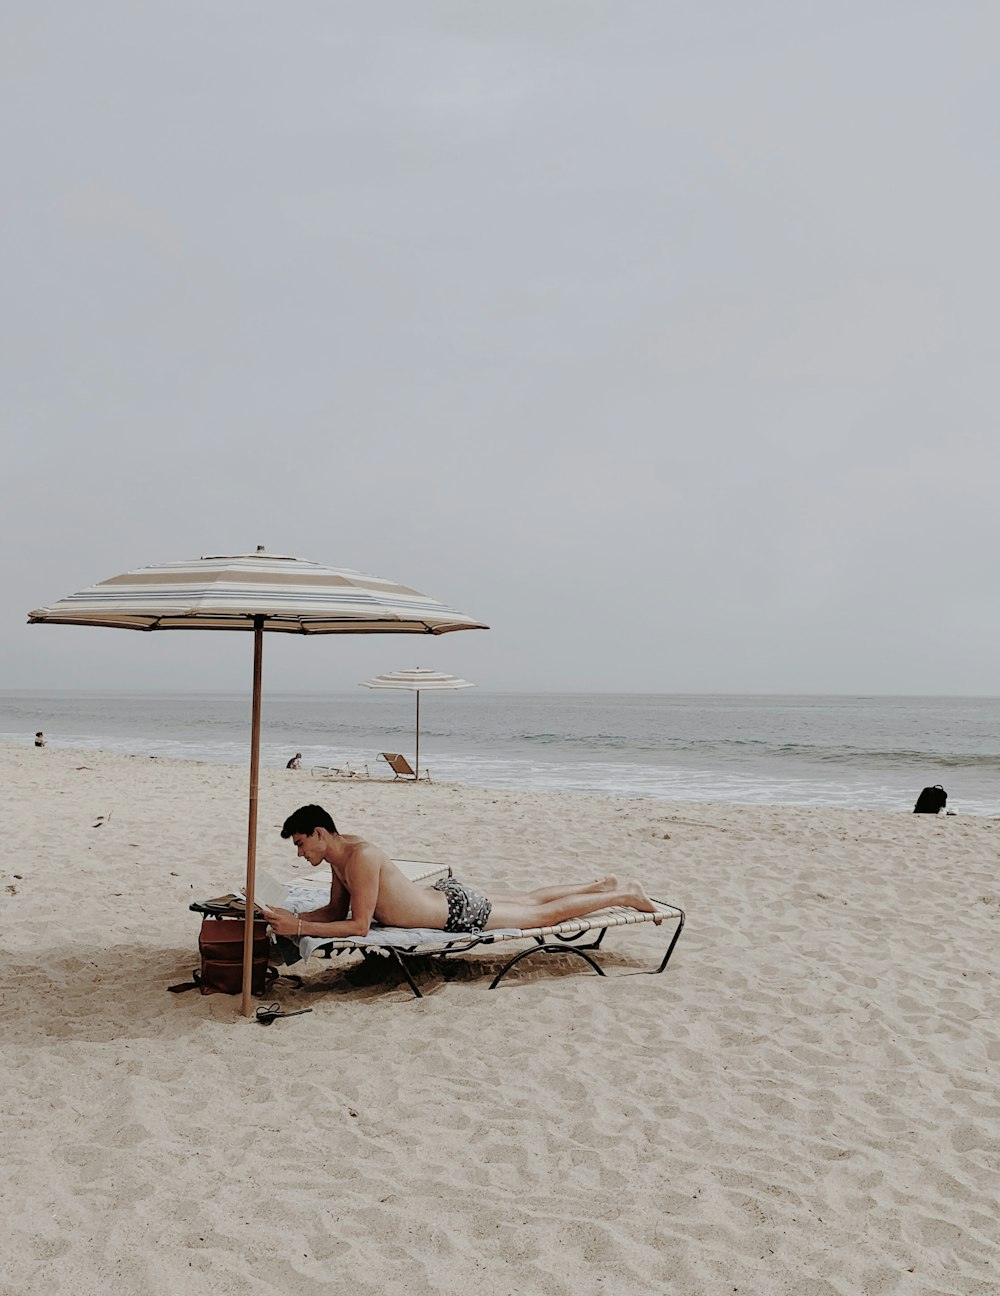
(862, 752)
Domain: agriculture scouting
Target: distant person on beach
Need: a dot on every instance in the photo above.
(39, 739)
(295, 762)
(368, 886)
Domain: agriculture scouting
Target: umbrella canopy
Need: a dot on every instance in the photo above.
(230, 593)
(416, 680)
(258, 592)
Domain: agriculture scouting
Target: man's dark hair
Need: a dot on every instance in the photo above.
(306, 820)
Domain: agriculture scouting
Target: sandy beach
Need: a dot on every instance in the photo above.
(805, 1102)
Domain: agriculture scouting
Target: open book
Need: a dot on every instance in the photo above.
(267, 891)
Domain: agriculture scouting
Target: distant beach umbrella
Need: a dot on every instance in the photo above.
(417, 680)
(257, 591)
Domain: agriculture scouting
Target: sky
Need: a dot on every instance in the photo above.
(659, 335)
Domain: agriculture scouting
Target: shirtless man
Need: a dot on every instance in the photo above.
(367, 887)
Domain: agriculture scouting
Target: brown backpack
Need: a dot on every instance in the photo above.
(220, 944)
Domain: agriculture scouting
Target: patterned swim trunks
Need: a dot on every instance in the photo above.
(468, 911)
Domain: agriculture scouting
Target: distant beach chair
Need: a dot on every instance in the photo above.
(347, 770)
(400, 766)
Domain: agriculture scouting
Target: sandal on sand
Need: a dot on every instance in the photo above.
(267, 1015)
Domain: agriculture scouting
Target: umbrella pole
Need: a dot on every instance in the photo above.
(258, 655)
(416, 763)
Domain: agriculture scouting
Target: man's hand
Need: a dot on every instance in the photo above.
(283, 921)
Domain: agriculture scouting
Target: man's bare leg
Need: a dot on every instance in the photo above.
(513, 912)
(542, 895)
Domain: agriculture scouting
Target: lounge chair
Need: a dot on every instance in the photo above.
(347, 770)
(400, 766)
(401, 943)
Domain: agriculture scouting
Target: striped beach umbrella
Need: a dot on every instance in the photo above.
(255, 592)
(417, 680)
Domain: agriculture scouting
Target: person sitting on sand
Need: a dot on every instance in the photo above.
(295, 762)
(39, 739)
(368, 887)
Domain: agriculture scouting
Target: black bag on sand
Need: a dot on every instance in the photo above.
(931, 800)
(221, 947)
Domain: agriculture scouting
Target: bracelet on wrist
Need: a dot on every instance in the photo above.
(298, 928)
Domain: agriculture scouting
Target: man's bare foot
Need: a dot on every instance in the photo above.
(638, 899)
(610, 883)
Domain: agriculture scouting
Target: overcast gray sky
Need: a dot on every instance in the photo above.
(661, 336)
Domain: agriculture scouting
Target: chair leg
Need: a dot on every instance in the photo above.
(565, 948)
(670, 947)
(406, 972)
(544, 949)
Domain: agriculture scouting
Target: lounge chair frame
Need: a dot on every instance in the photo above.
(347, 770)
(565, 935)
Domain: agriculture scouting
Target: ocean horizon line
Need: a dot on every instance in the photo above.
(483, 691)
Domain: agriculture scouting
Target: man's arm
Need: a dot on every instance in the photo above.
(363, 874)
(335, 909)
